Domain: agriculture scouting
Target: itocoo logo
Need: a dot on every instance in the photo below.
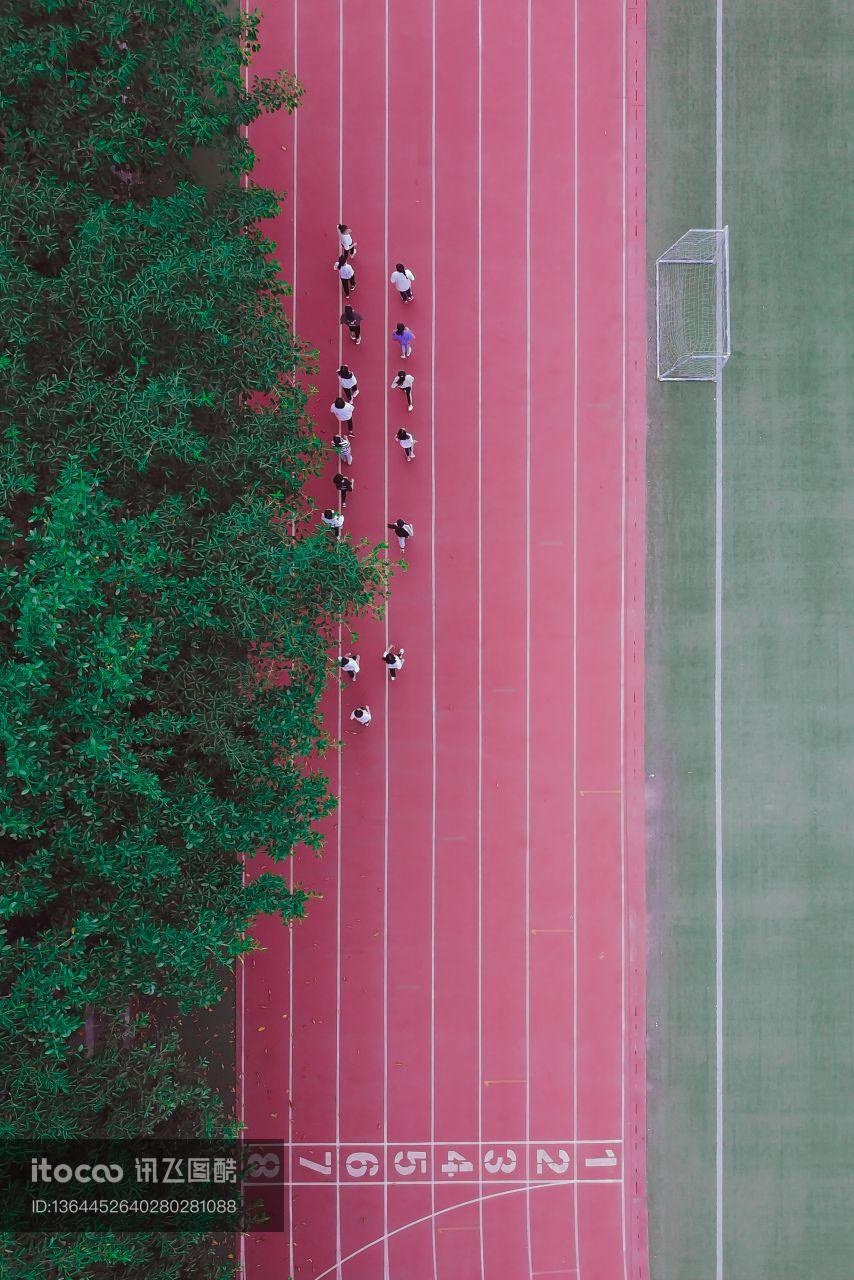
(42, 1170)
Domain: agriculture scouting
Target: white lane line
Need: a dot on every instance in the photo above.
(623, 412)
(575, 64)
(386, 1260)
(465, 1204)
(719, 853)
(291, 1013)
(528, 133)
(341, 771)
(480, 618)
(340, 110)
(338, 983)
(433, 778)
(339, 851)
(295, 169)
(291, 1010)
(241, 1109)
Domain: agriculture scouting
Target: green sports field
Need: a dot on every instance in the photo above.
(787, 726)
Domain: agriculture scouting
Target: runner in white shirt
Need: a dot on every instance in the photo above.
(333, 520)
(394, 660)
(346, 242)
(404, 382)
(362, 715)
(349, 664)
(407, 443)
(347, 382)
(343, 410)
(402, 279)
(346, 274)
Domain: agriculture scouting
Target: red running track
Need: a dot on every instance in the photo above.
(453, 1041)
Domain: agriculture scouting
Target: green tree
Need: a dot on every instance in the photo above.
(118, 95)
(142, 757)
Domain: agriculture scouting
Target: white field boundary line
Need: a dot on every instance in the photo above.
(528, 142)
(575, 67)
(623, 534)
(480, 621)
(719, 917)
(463, 1204)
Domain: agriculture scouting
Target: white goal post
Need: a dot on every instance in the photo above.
(692, 306)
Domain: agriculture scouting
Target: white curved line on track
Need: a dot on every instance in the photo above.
(464, 1204)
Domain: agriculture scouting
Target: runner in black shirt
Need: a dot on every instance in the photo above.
(344, 485)
(353, 321)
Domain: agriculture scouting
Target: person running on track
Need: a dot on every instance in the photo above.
(333, 520)
(346, 243)
(347, 382)
(403, 529)
(349, 664)
(344, 485)
(362, 715)
(394, 660)
(353, 321)
(403, 279)
(404, 382)
(405, 337)
(346, 274)
(343, 410)
(406, 442)
(341, 445)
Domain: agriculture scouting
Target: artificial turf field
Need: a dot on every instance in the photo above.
(787, 728)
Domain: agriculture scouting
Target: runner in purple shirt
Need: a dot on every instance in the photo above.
(405, 337)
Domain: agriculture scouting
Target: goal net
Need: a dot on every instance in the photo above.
(692, 306)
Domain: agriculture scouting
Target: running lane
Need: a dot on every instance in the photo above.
(459, 1024)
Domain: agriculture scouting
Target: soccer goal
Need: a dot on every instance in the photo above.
(692, 306)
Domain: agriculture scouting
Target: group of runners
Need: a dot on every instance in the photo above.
(343, 409)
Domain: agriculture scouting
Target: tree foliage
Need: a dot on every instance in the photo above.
(168, 606)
